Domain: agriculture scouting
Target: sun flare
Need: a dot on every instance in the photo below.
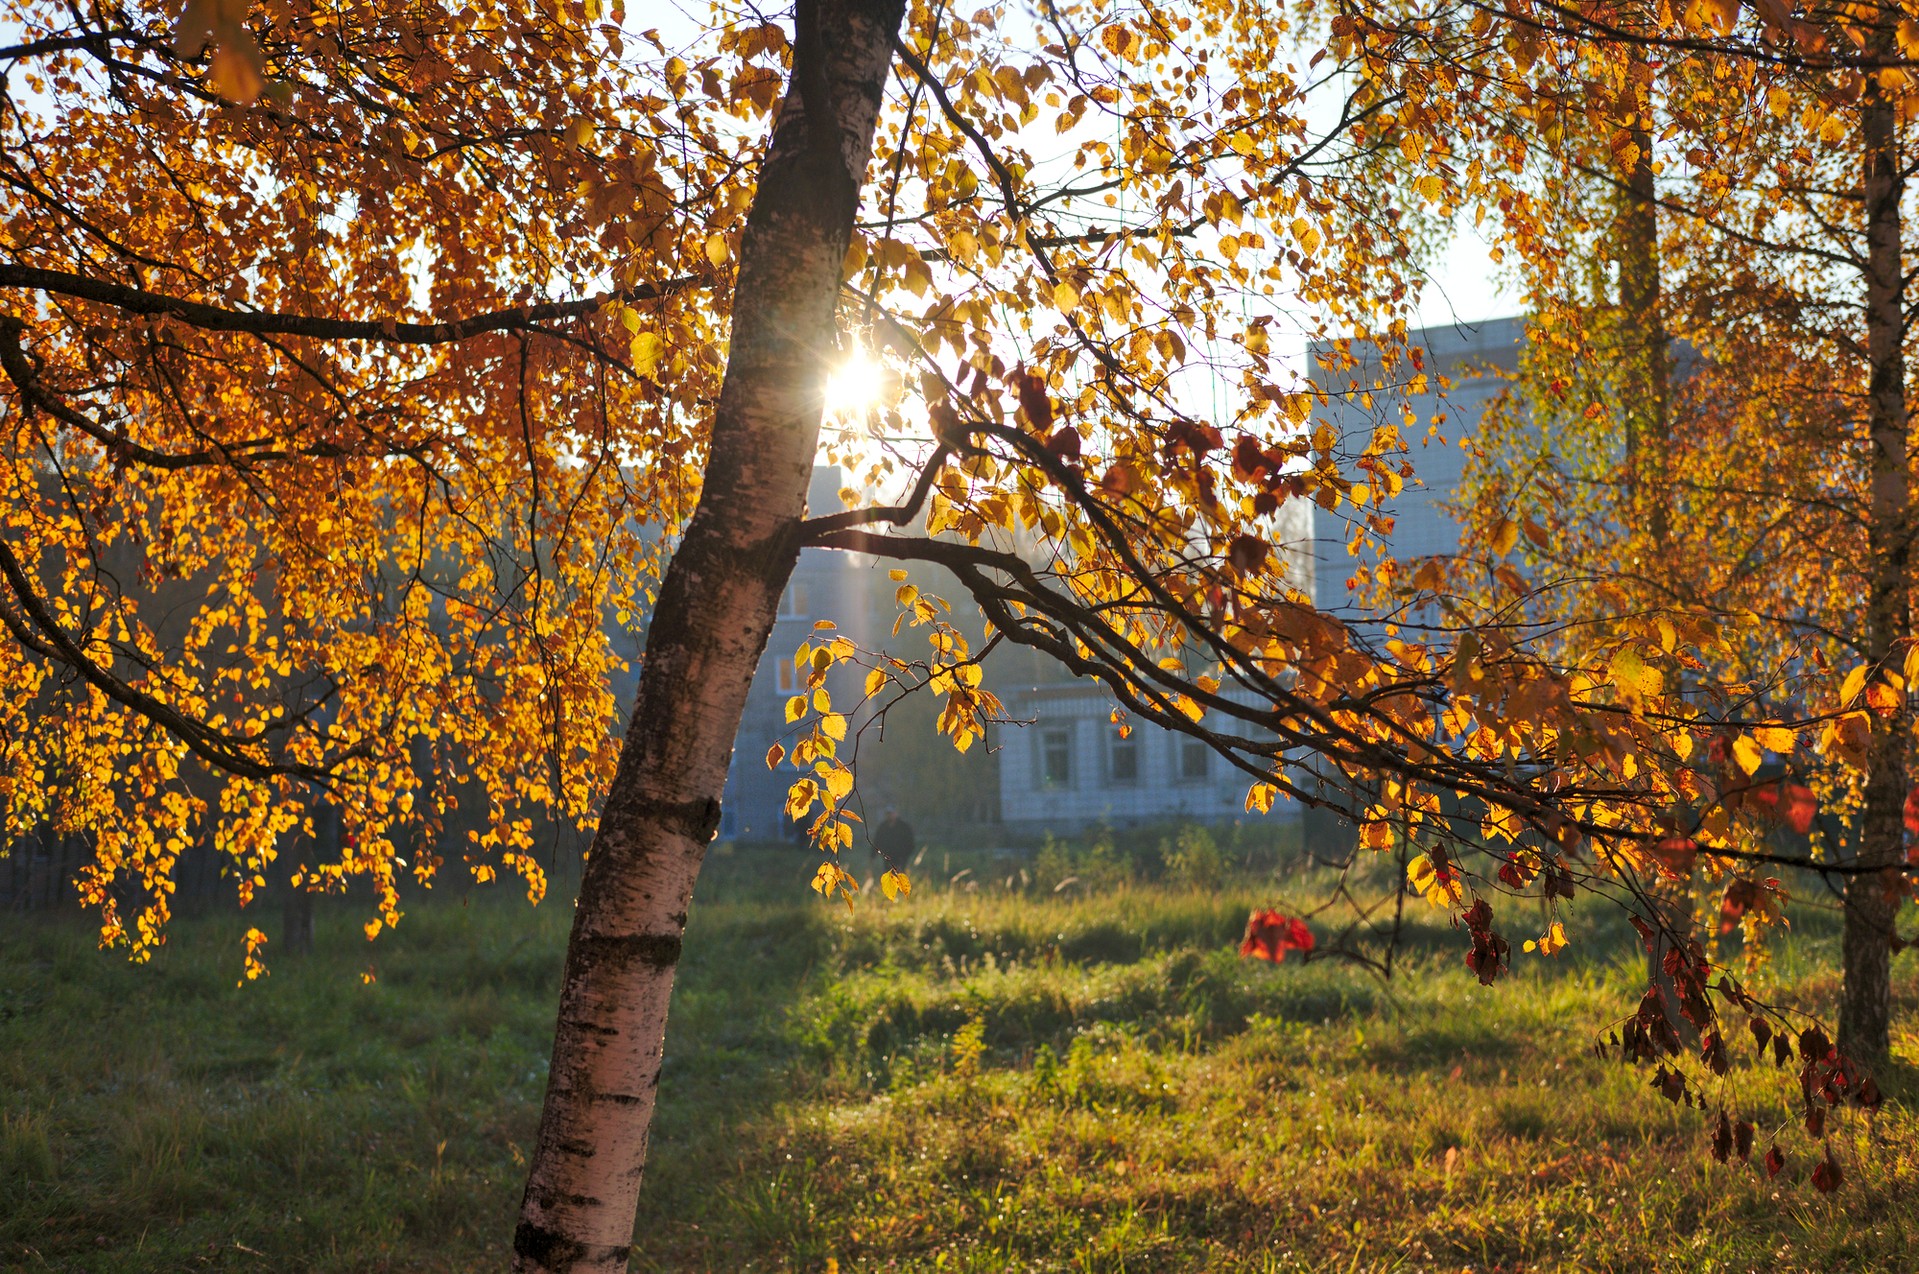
(855, 385)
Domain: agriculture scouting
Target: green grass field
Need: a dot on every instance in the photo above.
(975, 1079)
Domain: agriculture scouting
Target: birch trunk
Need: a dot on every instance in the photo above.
(715, 610)
(1871, 905)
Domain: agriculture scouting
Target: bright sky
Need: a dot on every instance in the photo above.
(1466, 287)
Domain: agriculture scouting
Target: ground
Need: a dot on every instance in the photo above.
(993, 1075)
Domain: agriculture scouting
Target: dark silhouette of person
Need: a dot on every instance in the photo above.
(893, 839)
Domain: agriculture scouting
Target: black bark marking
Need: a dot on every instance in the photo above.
(660, 950)
(697, 819)
(547, 1249)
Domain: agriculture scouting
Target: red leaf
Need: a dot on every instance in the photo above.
(1064, 443)
(1799, 806)
(1741, 895)
(1742, 1140)
(1676, 853)
(1248, 459)
(1826, 1177)
(1269, 936)
(1912, 810)
(1034, 404)
(1722, 1138)
(1247, 553)
(1514, 873)
(1774, 1162)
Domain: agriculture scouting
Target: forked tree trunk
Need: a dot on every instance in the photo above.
(1865, 1003)
(716, 607)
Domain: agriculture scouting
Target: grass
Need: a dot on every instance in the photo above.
(972, 1080)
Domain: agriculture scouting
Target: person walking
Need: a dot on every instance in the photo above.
(893, 840)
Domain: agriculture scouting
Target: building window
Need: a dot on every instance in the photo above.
(1056, 758)
(788, 676)
(1122, 761)
(793, 601)
(1194, 756)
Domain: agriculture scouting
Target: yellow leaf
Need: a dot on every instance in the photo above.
(1746, 753)
(716, 250)
(235, 71)
(1882, 698)
(1849, 689)
(774, 755)
(894, 884)
(875, 682)
(795, 708)
(1634, 678)
(1259, 798)
(822, 701)
(839, 783)
(646, 350)
(372, 928)
(834, 725)
(1440, 888)
(1554, 942)
(1065, 295)
(1722, 14)
(1505, 535)
(1775, 738)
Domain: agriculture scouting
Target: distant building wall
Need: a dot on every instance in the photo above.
(1422, 525)
(1071, 770)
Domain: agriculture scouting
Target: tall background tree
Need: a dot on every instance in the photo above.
(1773, 503)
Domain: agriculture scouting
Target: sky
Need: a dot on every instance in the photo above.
(1466, 287)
